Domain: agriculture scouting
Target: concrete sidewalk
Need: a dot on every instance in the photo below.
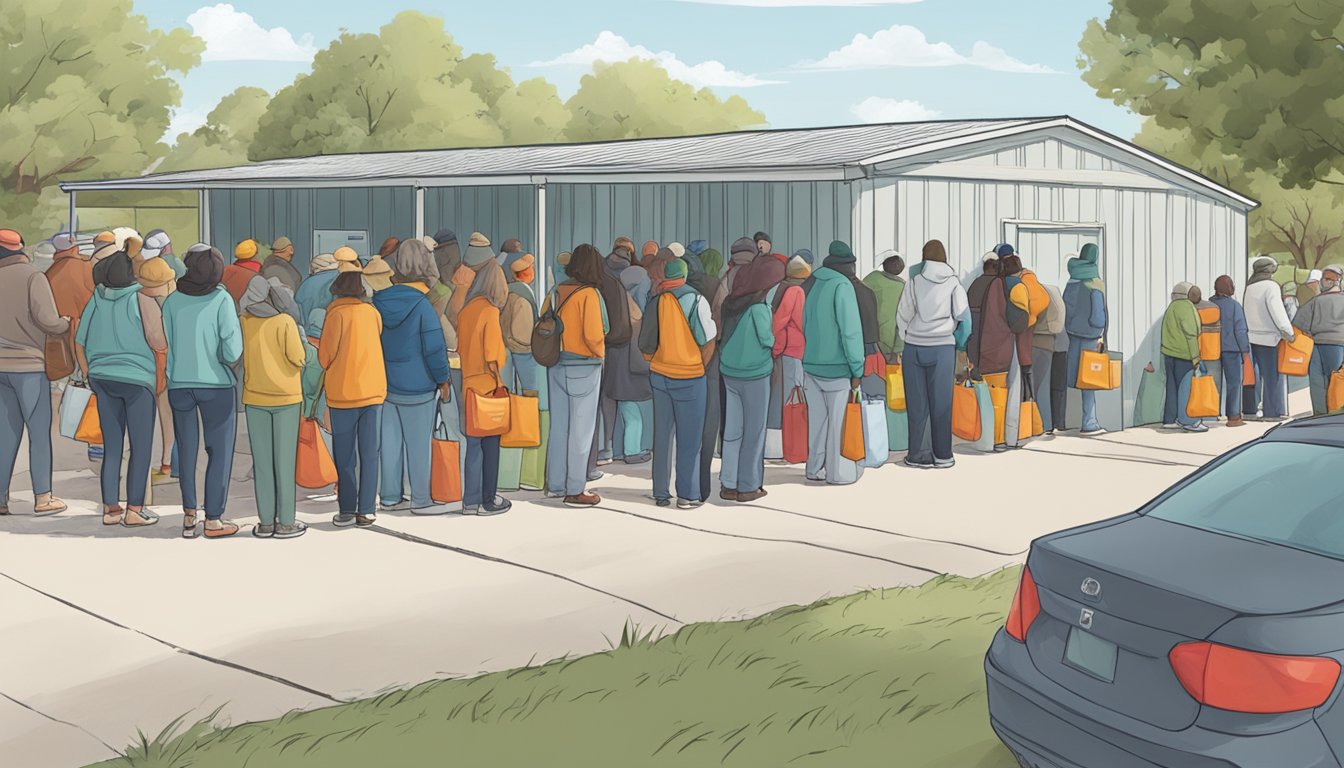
(112, 630)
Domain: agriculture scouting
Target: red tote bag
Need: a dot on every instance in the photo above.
(795, 427)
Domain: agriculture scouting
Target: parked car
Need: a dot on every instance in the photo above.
(1205, 630)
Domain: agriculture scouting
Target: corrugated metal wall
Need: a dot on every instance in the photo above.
(265, 214)
(499, 213)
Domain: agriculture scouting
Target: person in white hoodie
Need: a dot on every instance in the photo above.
(1267, 324)
(933, 318)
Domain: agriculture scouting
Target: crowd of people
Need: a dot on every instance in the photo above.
(661, 352)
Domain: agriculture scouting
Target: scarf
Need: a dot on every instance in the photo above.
(204, 270)
(668, 285)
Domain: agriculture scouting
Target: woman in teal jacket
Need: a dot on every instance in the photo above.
(746, 362)
(119, 333)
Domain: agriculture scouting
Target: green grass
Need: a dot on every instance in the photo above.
(884, 678)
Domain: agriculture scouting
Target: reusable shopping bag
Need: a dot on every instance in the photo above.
(1029, 423)
(487, 413)
(998, 398)
(532, 475)
(965, 412)
(1247, 370)
(313, 467)
(895, 387)
(985, 402)
(1203, 402)
(74, 401)
(1334, 394)
(1295, 356)
(1151, 398)
(445, 469)
(874, 432)
(1097, 370)
(795, 427)
(851, 430)
(90, 429)
(524, 422)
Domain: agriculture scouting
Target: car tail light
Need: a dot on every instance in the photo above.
(1258, 683)
(1025, 608)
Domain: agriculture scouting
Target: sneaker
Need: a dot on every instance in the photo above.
(750, 496)
(1172, 425)
(944, 463)
(640, 459)
(433, 509)
(596, 475)
(400, 506)
(497, 506)
(918, 465)
(1195, 428)
(291, 531)
(263, 531)
(728, 495)
(604, 461)
(343, 520)
(364, 521)
(663, 502)
(688, 503)
(817, 479)
(1001, 448)
(549, 494)
(471, 510)
(1092, 432)
(585, 499)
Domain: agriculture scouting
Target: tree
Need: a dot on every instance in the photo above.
(224, 139)
(532, 113)
(87, 94)
(639, 99)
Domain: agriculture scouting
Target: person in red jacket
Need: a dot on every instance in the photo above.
(244, 267)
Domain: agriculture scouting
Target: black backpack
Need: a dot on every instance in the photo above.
(548, 330)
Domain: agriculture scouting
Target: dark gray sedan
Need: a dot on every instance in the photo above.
(1205, 630)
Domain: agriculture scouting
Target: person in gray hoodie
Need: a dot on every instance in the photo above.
(932, 318)
(1322, 318)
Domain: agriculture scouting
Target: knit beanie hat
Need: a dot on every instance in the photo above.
(11, 242)
(759, 236)
(840, 253)
(1314, 276)
(478, 251)
(106, 236)
(743, 245)
(478, 240)
(675, 269)
(156, 272)
(322, 263)
(649, 248)
(934, 250)
(445, 235)
(891, 262)
(526, 261)
(698, 247)
(626, 243)
(512, 245)
(245, 250)
(677, 249)
(105, 250)
(155, 242)
(1181, 290)
(806, 255)
(1089, 253)
(798, 268)
(1338, 269)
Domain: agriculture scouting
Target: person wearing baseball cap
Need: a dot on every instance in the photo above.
(28, 315)
(279, 265)
(158, 245)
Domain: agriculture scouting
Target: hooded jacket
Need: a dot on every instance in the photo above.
(71, 279)
(28, 314)
(1180, 330)
(519, 317)
(1267, 320)
(833, 327)
(414, 355)
(931, 306)
(282, 270)
(747, 351)
(887, 288)
(205, 339)
(352, 354)
(1085, 315)
(1322, 318)
(273, 359)
(119, 335)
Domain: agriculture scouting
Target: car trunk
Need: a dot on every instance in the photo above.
(1157, 584)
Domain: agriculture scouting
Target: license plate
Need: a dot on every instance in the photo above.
(1089, 653)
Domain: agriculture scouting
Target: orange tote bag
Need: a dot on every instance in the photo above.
(965, 411)
(851, 431)
(1295, 356)
(313, 467)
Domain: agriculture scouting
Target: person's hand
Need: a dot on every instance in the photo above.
(854, 383)
(445, 391)
(1292, 338)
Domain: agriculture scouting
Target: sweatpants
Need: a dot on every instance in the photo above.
(1179, 373)
(1041, 362)
(204, 414)
(126, 411)
(679, 408)
(1325, 360)
(575, 394)
(747, 407)
(406, 433)
(354, 449)
(929, 379)
(274, 434)
(25, 401)
(826, 400)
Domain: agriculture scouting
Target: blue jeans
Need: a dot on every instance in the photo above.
(25, 400)
(746, 407)
(1179, 373)
(529, 375)
(630, 431)
(1089, 396)
(407, 431)
(928, 400)
(126, 411)
(1267, 383)
(678, 405)
(1325, 360)
(574, 399)
(218, 424)
(480, 481)
(1232, 378)
(354, 449)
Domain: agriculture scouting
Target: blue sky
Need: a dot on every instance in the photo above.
(801, 62)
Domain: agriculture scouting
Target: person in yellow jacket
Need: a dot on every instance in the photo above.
(481, 348)
(356, 387)
(273, 359)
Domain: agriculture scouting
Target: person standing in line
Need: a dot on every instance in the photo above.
(415, 362)
(522, 373)
(1290, 303)
(273, 358)
(787, 328)
(872, 385)
(1044, 337)
(388, 251)
(118, 335)
(626, 379)
(931, 309)
(742, 253)
(1005, 343)
(70, 277)
(975, 297)
(615, 376)
(1235, 345)
(205, 342)
(673, 337)
(447, 253)
(314, 295)
(474, 260)
(158, 283)
(279, 265)
(157, 245)
(1085, 320)
(29, 313)
(1180, 354)
(746, 363)
(1267, 324)
(832, 364)
(888, 286)
(244, 267)
(575, 381)
(483, 355)
(356, 386)
(1322, 319)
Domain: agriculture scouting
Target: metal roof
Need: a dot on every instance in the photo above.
(799, 154)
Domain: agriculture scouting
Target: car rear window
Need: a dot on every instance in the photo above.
(1284, 493)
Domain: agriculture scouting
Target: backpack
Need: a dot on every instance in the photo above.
(548, 330)
(1018, 319)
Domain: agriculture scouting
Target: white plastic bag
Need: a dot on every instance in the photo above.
(875, 443)
(73, 402)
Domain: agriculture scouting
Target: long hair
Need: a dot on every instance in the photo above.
(585, 265)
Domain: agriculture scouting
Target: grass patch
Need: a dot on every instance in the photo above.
(884, 678)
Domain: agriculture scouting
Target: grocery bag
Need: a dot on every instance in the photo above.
(74, 401)
(1152, 397)
(965, 412)
(532, 475)
(851, 430)
(1334, 394)
(313, 467)
(445, 469)
(1203, 402)
(795, 427)
(1295, 356)
(895, 387)
(875, 444)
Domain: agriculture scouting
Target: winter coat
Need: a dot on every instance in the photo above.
(236, 277)
(518, 318)
(205, 340)
(120, 332)
(1085, 315)
(831, 322)
(312, 298)
(975, 300)
(1322, 318)
(1233, 327)
(626, 377)
(747, 353)
(28, 314)
(71, 279)
(1051, 322)
(352, 354)
(414, 355)
(787, 323)
(931, 306)
(1267, 320)
(888, 289)
(1180, 330)
(273, 360)
(282, 270)
(997, 340)
(481, 346)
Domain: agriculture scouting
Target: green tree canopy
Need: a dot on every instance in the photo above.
(88, 93)
(224, 139)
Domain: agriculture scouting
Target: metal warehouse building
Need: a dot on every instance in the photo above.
(1047, 185)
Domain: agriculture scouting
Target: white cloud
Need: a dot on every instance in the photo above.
(804, 3)
(876, 109)
(610, 47)
(905, 46)
(233, 35)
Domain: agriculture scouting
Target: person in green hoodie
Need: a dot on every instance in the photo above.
(888, 285)
(119, 333)
(746, 362)
(1180, 353)
(832, 364)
